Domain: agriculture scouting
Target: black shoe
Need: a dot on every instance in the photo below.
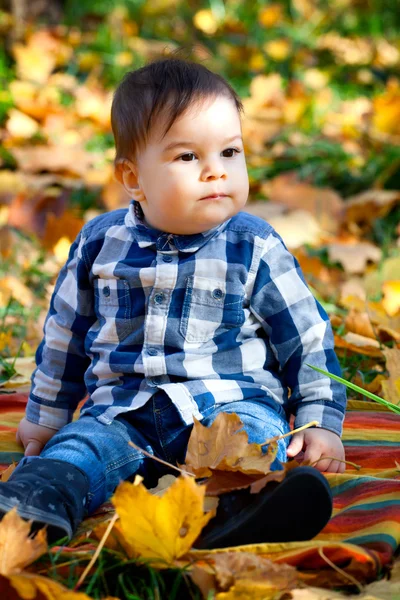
(48, 492)
(296, 509)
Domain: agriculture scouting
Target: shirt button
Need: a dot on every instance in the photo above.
(167, 258)
(158, 298)
(152, 351)
(217, 294)
(106, 291)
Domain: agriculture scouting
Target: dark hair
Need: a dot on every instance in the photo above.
(164, 87)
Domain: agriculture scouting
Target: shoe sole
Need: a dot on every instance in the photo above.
(56, 528)
(309, 493)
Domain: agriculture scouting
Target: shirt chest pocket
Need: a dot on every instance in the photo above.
(208, 310)
(113, 309)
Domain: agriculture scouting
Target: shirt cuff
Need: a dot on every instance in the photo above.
(328, 415)
(48, 416)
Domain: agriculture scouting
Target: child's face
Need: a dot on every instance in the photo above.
(174, 184)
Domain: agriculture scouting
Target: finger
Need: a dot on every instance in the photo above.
(296, 445)
(18, 438)
(327, 466)
(33, 448)
(314, 458)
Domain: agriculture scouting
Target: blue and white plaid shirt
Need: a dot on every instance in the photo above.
(209, 318)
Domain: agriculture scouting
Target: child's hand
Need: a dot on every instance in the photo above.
(319, 443)
(33, 437)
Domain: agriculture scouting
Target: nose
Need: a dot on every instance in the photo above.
(213, 169)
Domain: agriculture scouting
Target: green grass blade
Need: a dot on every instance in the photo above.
(356, 388)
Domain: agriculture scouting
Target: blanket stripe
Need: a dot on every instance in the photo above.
(364, 532)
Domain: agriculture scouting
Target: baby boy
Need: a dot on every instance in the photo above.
(179, 306)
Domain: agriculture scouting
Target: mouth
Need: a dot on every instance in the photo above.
(214, 197)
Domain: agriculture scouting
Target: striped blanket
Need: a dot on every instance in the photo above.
(364, 532)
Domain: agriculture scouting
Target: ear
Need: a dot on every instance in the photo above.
(126, 173)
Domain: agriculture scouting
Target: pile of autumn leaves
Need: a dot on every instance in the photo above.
(163, 524)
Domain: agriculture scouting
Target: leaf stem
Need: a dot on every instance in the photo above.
(98, 550)
(160, 460)
(280, 437)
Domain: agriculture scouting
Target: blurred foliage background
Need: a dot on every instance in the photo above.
(320, 85)
(334, 112)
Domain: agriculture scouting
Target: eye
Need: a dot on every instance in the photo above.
(231, 152)
(188, 157)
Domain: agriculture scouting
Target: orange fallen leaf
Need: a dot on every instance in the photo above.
(17, 549)
(67, 225)
(224, 446)
(360, 323)
(6, 474)
(162, 528)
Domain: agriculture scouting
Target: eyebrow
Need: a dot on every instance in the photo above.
(189, 143)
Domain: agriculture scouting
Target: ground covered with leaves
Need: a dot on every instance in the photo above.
(321, 90)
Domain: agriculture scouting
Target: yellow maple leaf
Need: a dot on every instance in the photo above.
(391, 300)
(163, 527)
(386, 116)
(29, 586)
(33, 63)
(17, 549)
(391, 386)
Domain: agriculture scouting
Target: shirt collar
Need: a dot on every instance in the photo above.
(146, 235)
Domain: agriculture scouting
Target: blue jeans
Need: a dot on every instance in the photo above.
(103, 453)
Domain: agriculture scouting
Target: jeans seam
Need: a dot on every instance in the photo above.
(119, 463)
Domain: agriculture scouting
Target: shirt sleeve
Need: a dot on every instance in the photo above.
(299, 332)
(58, 381)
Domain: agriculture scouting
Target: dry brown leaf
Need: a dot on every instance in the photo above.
(391, 386)
(68, 159)
(360, 323)
(20, 125)
(17, 549)
(354, 256)
(324, 204)
(94, 103)
(363, 209)
(374, 386)
(352, 342)
(313, 593)
(24, 367)
(376, 313)
(29, 213)
(11, 286)
(224, 446)
(67, 225)
(265, 209)
(235, 575)
(297, 228)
